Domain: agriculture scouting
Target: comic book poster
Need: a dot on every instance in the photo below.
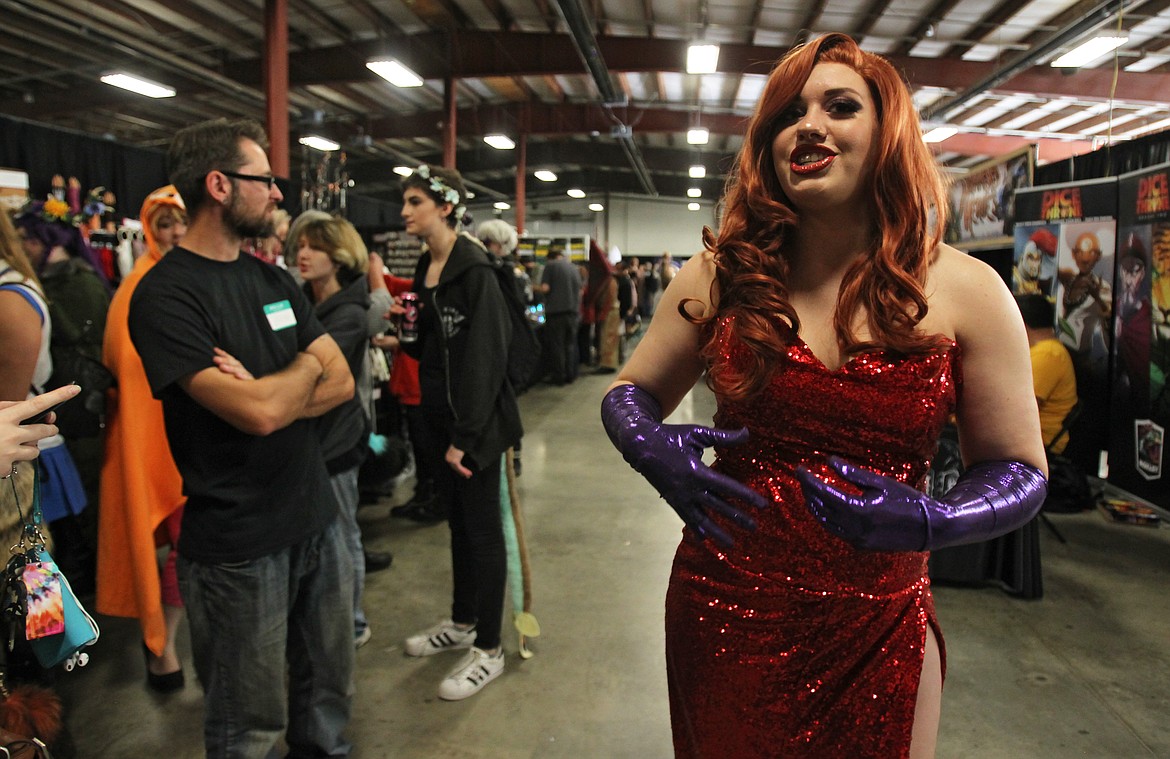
(1141, 335)
(1065, 243)
(982, 203)
(1034, 259)
(1084, 291)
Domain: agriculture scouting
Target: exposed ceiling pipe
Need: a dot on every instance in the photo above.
(1098, 15)
(586, 42)
(146, 51)
(412, 161)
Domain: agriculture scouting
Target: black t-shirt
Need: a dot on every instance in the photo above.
(247, 496)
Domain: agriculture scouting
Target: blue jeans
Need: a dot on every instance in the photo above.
(250, 620)
(345, 490)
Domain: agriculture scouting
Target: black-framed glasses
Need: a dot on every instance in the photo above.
(265, 178)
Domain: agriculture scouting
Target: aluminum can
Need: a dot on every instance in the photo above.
(408, 322)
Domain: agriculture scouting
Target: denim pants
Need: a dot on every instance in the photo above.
(345, 490)
(250, 620)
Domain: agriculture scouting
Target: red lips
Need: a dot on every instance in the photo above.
(809, 159)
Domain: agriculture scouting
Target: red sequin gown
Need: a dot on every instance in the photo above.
(794, 643)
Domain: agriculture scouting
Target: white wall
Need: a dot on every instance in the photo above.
(642, 226)
(637, 225)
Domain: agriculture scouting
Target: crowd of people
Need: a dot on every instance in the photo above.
(227, 408)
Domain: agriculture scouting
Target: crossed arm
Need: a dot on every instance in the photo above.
(317, 380)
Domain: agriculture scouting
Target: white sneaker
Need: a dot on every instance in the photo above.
(362, 638)
(445, 636)
(477, 670)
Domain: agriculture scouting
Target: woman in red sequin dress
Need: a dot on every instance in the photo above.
(834, 326)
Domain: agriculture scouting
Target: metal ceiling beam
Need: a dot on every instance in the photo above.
(489, 54)
(139, 49)
(546, 119)
(995, 145)
(1098, 15)
(586, 43)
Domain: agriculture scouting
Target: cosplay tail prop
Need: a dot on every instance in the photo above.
(519, 574)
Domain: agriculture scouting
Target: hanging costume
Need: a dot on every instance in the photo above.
(141, 486)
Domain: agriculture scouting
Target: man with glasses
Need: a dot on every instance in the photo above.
(241, 364)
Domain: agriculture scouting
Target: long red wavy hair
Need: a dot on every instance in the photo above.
(908, 208)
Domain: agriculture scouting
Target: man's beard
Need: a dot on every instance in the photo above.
(242, 226)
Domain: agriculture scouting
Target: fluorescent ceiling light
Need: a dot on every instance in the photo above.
(702, 59)
(698, 136)
(403, 171)
(1146, 129)
(575, 193)
(694, 192)
(596, 207)
(499, 141)
(693, 206)
(319, 143)
(139, 85)
(545, 176)
(1089, 51)
(394, 72)
(698, 172)
(500, 205)
(938, 134)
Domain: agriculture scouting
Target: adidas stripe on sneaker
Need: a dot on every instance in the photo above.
(476, 670)
(445, 636)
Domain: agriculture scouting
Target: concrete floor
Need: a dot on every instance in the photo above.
(1081, 673)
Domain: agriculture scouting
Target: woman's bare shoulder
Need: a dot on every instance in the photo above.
(694, 279)
(956, 274)
(962, 291)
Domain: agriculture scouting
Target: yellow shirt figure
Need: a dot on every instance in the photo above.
(1055, 385)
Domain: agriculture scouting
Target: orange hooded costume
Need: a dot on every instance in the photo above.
(140, 486)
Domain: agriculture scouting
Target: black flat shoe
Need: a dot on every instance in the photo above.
(431, 512)
(417, 501)
(168, 683)
(376, 561)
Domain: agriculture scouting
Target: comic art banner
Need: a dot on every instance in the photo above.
(982, 203)
(1076, 201)
(1064, 247)
(1141, 336)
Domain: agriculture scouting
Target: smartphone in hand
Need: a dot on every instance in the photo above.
(43, 417)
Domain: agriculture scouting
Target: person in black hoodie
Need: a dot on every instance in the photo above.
(332, 261)
(472, 417)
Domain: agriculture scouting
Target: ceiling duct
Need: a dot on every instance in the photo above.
(52, 17)
(586, 43)
(1098, 15)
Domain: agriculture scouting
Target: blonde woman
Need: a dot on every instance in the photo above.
(333, 261)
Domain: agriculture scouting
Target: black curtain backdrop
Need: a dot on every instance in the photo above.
(132, 172)
(1111, 161)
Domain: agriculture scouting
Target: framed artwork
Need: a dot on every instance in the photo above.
(982, 203)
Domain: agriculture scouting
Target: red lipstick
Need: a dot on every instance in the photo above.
(809, 159)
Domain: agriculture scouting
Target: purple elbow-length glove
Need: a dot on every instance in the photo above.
(670, 457)
(990, 499)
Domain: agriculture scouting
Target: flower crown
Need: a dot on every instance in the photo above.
(442, 189)
(55, 211)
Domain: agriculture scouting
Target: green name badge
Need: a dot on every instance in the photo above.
(280, 315)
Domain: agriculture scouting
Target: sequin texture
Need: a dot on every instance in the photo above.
(794, 643)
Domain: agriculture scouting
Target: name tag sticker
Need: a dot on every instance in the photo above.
(280, 315)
